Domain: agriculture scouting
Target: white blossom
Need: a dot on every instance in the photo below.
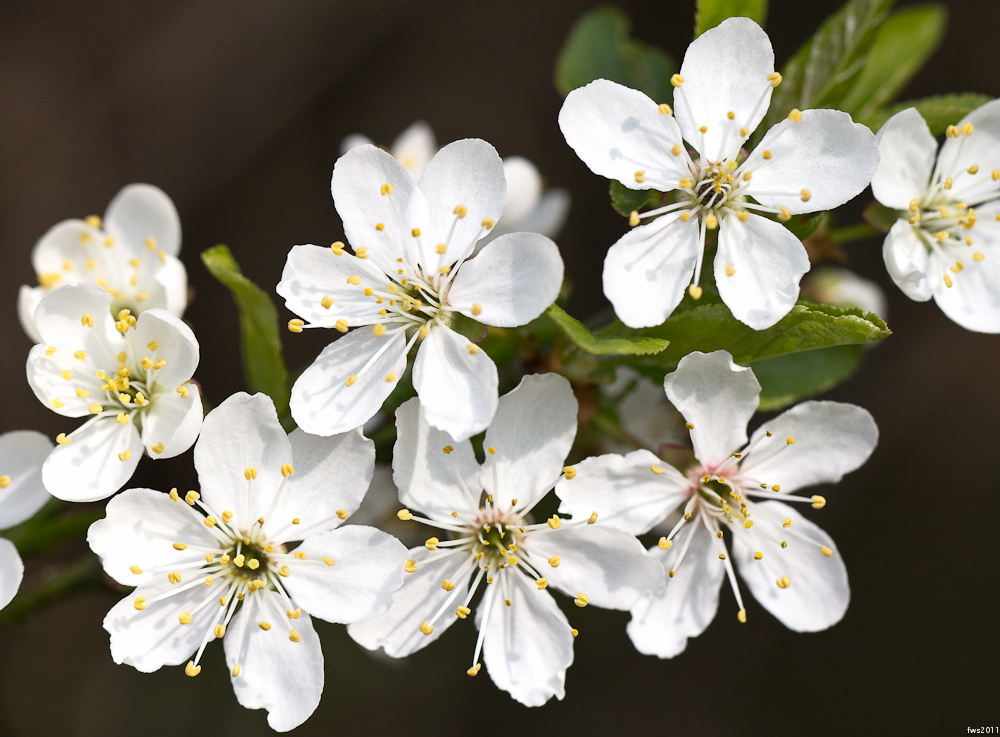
(490, 543)
(225, 562)
(21, 495)
(812, 161)
(131, 377)
(409, 275)
(530, 206)
(791, 566)
(132, 253)
(946, 242)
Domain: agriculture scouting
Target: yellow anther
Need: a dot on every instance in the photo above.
(656, 469)
(947, 281)
(174, 496)
(284, 572)
(337, 248)
(758, 555)
(488, 223)
(554, 522)
(424, 330)
(431, 543)
(685, 183)
(685, 216)
(263, 625)
(473, 349)
(460, 210)
(426, 627)
(249, 473)
(474, 669)
(784, 215)
(295, 325)
(722, 556)
(191, 669)
(977, 257)
(239, 560)
(774, 78)
(968, 240)
(718, 534)
(967, 129)
(665, 109)
(126, 456)
(390, 377)
(174, 577)
(711, 222)
(947, 183)
(293, 613)
(209, 558)
(742, 216)
(293, 635)
(581, 600)
(590, 520)
(569, 472)
(386, 188)
(974, 169)
(208, 580)
(914, 205)
(795, 116)
(341, 325)
(447, 449)
(767, 155)
(958, 267)
(140, 603)
(731, 115)
(633, 218)
(227, 515)
(350, 380)
(93, 221)
(492, 451)
(236, 670)
(742, 616)
(404, 515)
(62, 439)
(695, 291)
(818, 501)
(665, 544)
(729, 272)
(58, 403)
(554, 561)
(687, 516)
(87, 320)
(379, 226)
(671, 573)
(677, 80)
(806, 195)
(748, 523)
(783, 582)
(122, 418)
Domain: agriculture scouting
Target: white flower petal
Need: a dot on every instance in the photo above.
(46, 376)
(414, 148)
(276, 674)
(353, 141)
(11, 572)
(22, 453)
(981, 149)
(758, 267)
(725, 73)
(644, 413)
(974, 300)
(59, 319)
(662, 624)
(176, 345)
(173, 422)
(420, 597)
(141, 211)
(91, 466)
(171, 276)
(819, 592)
(528, 646)
(357, 185)
(907, 151)
(550, 215)
(618, 131)
(381, 501)
(831, 439)
(140, 529)
(835, 285)
(150, 638)
(510, 282)
(623, 490)
(532, 433)
(241, 433)
(468, 173)
(368, 569)
(524, 190)
(331, 476)
(648, 269)
(718, 398)
(608, 565)
(27, 302)
(312, 274)
(322, 402)
(907, 261)
(424, 474)
(456, 382)
(816, 164)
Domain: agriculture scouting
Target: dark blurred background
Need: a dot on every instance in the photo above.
(237, 110)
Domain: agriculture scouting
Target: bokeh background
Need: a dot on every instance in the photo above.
(237, 110)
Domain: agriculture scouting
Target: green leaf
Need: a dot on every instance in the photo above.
(625, 200)
(263, 365)
(598, 47)
(712, 12)
(797, 376)
(808, 326)
(902, 45)
(823, 69)
(604, 345)
(803, 226)
(939, 111)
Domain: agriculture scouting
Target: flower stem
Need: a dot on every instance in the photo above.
(851, 233)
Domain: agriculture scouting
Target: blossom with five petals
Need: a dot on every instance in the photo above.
(946, 242)
(130, 376)
(524, 638)
(21, 495)
(812, 161)
(225, 564)
(132, 253)
(791, 566)
(409, 275)
(530, 207)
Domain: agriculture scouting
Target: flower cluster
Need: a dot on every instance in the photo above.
(441, 246)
